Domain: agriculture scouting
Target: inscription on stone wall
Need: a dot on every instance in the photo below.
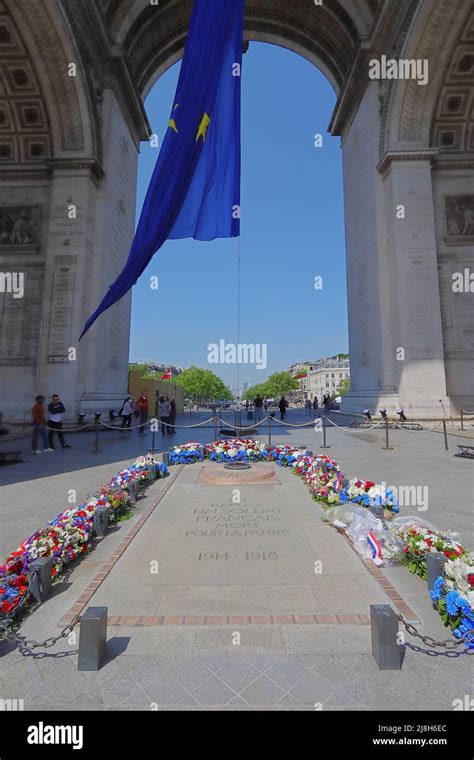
(65, 230)
(420, 338)
(20, 320)
(62, 284)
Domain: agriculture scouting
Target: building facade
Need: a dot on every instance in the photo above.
(323, 376)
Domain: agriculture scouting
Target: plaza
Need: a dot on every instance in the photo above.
(303, 638)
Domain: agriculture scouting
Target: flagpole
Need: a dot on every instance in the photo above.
(238, 327)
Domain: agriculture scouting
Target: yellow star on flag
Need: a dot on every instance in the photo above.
(205, 121)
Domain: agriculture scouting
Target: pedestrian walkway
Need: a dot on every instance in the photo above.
(231, 617)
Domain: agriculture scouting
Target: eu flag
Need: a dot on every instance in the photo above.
(195, 188)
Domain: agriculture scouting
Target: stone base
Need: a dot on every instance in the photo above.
(259, 474)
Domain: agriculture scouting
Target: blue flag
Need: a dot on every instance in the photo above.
(195, 188)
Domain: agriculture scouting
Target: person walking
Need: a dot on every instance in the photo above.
(126, 413)
(258, 403)
(283, 406)
(172, 415)
(55, 412)
(315, 403)
(163, 413)
(142, 407)
(40, 426)
(309, 406)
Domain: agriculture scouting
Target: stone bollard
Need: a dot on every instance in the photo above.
(101, 522)
(132, 489)
(165, 458)
(386, 650)
(41, 581)
(435, 567)
(92, 638)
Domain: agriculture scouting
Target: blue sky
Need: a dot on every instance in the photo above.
(292, 230)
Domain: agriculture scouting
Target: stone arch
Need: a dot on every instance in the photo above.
(49, 48)
(410, 108)
(327, 35)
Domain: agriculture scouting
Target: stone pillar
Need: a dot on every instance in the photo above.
(106, 345)
(416, 334)
(70, 261)
(368, 279)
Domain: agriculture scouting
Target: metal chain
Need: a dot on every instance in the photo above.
(27, 645)
(448, 644)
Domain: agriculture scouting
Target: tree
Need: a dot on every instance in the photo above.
(343, 387)
(202, 385)
(281, 383)
(278, 384)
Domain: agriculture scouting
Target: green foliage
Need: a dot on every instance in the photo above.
(278, 384)
(343, 387)
(202, 385)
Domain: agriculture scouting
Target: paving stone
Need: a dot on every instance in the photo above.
(191, 673)
(312, 688)
(263, 691)
(213, 692)
(285, 672)
(237, 673)
(164, 689)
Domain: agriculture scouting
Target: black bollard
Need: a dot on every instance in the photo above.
(101, 522)
(324, 446)
(387, 446)
(435, 567)
(41, 573)
(386, 650)
(92, 638)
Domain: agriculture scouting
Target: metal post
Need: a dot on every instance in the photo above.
(215, 427)
(324, 446)
(92, 638)
(386, 650)
(41, 570)
(96, 450)
(387, 446)
(270, 430)
(462, 420)
(445, 432)
(435, 567)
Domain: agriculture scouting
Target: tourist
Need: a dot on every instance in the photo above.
(126, 413)
(163, 413)
(142, 408)
(283, 406)
(308, 406)
(40, 426)
(172, 416)
(315, 403)
(265, 404)
(258, 403)
(55, 412)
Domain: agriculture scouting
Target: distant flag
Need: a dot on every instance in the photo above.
(166, 375)
(300, 375)
(195, 188)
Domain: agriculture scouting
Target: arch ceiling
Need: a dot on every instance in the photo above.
(153, 36)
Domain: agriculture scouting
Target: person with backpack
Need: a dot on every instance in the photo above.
(283, 406)
(126, 413)
(164, 413)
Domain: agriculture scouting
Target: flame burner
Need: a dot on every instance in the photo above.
(237, 466)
